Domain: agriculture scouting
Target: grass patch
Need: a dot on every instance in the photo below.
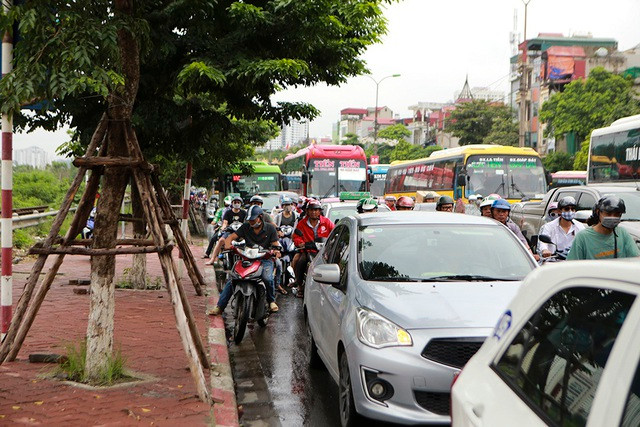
(73, 367)
(125, 281)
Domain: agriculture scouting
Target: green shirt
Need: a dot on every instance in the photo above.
(589, 244)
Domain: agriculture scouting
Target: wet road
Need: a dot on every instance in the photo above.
(300, 395)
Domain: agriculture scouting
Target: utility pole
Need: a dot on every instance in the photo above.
(524, 78)
(375, 114)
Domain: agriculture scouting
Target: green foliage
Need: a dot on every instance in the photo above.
(431, 148)
(557, 161)
(36, 187)
(407, 151)
(22, 239)
(73, 366)
(208, 68)
(397, 132)
(589, 104)
(581, 159)
(503, 132)
(350, 139)
(474, 122)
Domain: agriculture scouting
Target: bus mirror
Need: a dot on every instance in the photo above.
(304, 178)
(285, 184)
(371, 177)
(462, 180)
(548, 176)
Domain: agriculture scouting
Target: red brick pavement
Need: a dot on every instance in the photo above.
(144, 331)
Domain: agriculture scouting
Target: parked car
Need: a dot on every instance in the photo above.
(530, 216)
(564, 353)
(335, 211)
(397, 302)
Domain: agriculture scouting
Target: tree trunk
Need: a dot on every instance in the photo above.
(139, 267)
(120, 109)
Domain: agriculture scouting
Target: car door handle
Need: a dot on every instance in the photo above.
(478, 410)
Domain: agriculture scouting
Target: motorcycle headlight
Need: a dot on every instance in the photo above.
(378, 332)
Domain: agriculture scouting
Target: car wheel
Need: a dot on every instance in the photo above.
(348, 415)
(311, 350)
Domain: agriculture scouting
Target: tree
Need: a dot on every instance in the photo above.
(473, 121)
(407, 151)
(589, 104)
(581, 159)
(194, 78)
(558, 161)
(397, 132)
(503, 132)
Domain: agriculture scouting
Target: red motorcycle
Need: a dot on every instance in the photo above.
(249, 290)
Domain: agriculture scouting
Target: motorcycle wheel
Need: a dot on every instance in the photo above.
(243, 306)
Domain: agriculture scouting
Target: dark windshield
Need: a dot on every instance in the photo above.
(512, 177)
(377, 186)
(388, 252)
(615, 156)
(248, 185)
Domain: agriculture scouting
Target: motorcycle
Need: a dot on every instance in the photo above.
(250, 292)
(557, 256)
(311, 249)
(287, 276)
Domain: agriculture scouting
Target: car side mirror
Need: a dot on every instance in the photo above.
(583, 215)
(326, 273)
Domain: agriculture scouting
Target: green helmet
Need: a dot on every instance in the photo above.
(367, 204)
(227, 200)
(445, 200)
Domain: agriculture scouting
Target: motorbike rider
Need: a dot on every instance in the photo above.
(485, 206)
(367, 205)
(259, 201)
(405, 203)
(444, 204)
(255, 232)
(500, 210)
(289, 217)
(604, 239)
(314, 225)
(87, 231)
(235, 214)
(216, 219)
(390, 201)
(561, 230)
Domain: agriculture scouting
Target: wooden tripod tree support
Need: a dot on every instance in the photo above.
(157, 213)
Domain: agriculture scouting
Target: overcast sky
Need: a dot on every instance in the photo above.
(435, 44)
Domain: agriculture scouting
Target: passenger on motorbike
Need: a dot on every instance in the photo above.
(87, 231)
(255, 232)
(444, 204)
(367, 205)
(405, 204)
(313, 226)
(561, 230)
(390, 201)
(552, 212)
(235, 214)
(259, 201)
(604, 239)
(288, 217)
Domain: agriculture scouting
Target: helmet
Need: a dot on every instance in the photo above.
(237, 199)
(254, 212)
(444, 200)
(227, 200)
(286, 200)
(431, 195)
(366, 205)
(255, 199)
(552, 206)
(405, 202)
(501, 204)
(567, 201)
(313, 204)
(611, 204)
(390, 199)
(488, 201)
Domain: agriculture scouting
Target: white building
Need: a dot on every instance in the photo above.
(32, 156)
(296, 132)
(485, 94)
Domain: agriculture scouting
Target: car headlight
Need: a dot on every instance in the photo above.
(378, 332)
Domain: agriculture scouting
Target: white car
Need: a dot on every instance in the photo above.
(564, 353)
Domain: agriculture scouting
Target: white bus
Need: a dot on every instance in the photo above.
(614, 152)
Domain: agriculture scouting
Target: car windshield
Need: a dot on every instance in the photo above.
(270, 201)
(447, 252)
(631, 203)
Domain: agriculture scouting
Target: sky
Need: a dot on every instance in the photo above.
(433, 45)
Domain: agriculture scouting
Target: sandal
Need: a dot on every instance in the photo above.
(282, 290)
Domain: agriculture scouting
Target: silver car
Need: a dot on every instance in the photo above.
(397, 302)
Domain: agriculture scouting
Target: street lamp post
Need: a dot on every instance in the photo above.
(375, 114)
(523, 125)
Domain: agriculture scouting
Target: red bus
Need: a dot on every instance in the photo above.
(323, 171)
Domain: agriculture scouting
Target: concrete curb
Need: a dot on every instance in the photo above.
(225, 408)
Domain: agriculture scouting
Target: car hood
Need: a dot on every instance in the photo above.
(438, 305)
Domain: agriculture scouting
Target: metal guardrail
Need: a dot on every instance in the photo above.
(24, 221)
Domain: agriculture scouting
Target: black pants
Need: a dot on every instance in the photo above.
(212, 243)
(301, 268)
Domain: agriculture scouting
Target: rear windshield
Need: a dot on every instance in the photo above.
(423, 252)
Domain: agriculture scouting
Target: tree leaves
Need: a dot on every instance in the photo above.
(474, 121)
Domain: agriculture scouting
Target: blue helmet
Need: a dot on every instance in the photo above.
(286, 200)
(254, 212)
(501, 204)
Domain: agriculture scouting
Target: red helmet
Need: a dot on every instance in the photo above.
(405, 202)
(313, 204)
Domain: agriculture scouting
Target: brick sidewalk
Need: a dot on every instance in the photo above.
(145, 332)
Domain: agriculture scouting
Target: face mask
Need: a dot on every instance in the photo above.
(236, 205)
(256, 225)
(569, 215)
(610, 222)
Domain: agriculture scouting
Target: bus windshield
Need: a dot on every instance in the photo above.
(248, 185)
(331, 176)
(512, 177)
